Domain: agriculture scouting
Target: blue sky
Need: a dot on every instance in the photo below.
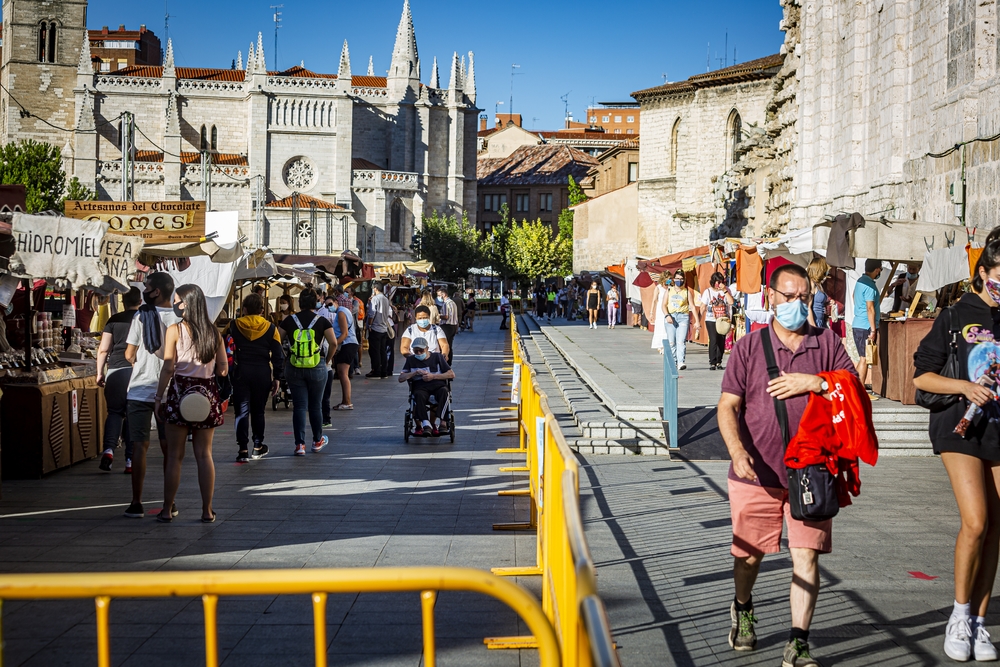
(598, 50)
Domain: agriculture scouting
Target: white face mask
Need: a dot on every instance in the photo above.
(283, 307)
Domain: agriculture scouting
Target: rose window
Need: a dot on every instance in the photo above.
(299, 174)
(305, 230)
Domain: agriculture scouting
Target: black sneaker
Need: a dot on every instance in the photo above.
(134, 511)
(371, 374)
(242, 456)
(797, 655)
(260, 452)
(741, 635)
(106, 461)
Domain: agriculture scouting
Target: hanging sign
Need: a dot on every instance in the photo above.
(515, 386)
(51, 246)
(75, 400)
(118, 255)
(154, 221)
(540, 456)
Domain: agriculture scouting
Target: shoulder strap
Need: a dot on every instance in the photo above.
(773, 372)
(314, 320)
(295, 318)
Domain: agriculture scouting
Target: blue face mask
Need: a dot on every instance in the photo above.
(911, 276)
(422, 356)
(791, 315)
(423, 324)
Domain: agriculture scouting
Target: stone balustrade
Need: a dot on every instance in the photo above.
(377, 179)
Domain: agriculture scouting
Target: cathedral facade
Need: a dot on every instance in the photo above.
(314, 163)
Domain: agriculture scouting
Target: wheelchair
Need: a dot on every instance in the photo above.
(446, 427)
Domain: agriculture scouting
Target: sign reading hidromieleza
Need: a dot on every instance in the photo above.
(154, 221)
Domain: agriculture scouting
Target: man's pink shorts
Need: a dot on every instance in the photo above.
(757, 513)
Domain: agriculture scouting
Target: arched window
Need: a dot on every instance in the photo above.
(215, 138)
(674, 135)
(204, 139)
(735, 134)
(396, 222)
(46, 42)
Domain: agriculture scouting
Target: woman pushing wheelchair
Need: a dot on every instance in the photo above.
(428, 374)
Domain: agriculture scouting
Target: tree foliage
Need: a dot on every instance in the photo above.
(38, 167)
(576, 195)
(564, 243)
(534, 253)
(77, 191)
(496, 247)
(452, 244)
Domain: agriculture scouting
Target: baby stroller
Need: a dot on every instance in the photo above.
(283, 395)
(447, 425)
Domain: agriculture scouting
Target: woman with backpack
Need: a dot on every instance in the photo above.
(187, 397)
(717, 302)
(305, 370)
(258, 363)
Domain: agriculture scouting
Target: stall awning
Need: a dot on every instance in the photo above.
(422, 267)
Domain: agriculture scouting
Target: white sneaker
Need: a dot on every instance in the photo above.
(982, 648)
(957, 636)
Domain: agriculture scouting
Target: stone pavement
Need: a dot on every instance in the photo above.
(659, 532)
(366, 500)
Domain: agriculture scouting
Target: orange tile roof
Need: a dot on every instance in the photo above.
(593, 136)
(303, 202)
(300, 72)
(369, 81)
(546, 164)
(218, 159)
(229, 74)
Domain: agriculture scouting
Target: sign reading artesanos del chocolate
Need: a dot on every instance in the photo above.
(154, 221)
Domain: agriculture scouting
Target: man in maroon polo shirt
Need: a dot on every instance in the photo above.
(758, 485)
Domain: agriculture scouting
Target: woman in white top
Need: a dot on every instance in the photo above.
(193, 355)
(718, 303)
(659, 314)
(612, 306)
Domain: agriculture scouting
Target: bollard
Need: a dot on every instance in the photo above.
(670, 376)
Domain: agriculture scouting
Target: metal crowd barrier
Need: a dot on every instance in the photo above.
(563, 560)
(317, 583)
(670, 375)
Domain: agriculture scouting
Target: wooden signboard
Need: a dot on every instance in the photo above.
(155, 221)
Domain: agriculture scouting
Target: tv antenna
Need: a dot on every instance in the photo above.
(166, 27)
(565, 101)
(513, 67)
(496, 111)
(277, 24)
(664, 75)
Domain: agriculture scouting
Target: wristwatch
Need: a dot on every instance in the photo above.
(824, 386)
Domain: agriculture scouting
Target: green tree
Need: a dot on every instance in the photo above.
(77, 191)
(496, 247)
(533, 250)
(452, 245)
(38, 167)
(576, 195)
(564, 243)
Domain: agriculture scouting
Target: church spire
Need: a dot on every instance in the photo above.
(435, 80)
(405, 60)
(470, 85)
(344, 72)
(86, 66)
(261, 64)
(239, 60)
(168, 60)
(455, 81)
(371, 66)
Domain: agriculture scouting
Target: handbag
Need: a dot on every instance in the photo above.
(812, 491)
(723, 325)
(938, 402)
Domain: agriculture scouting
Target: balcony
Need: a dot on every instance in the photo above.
(379, 179)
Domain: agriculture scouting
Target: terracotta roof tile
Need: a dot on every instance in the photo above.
(361, 163)
(535, 165)
(761, 68)
(303, 202)
(300, 72)
(219, 159)
(369, 81)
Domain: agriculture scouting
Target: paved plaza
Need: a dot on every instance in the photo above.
(658, 531)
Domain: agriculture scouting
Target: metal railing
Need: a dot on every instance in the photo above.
(317, 583)
(569, 577)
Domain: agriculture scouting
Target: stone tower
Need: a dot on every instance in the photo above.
(41, 54)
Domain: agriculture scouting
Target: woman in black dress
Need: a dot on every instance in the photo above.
(593, 304)
(972, 457)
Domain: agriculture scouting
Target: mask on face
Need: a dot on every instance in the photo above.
(993, 289)
(791, 315)
(148, 298)
(422, 356)
(911, 276)
(283, 307)
(423, 323)
(678, 281)
(178, 311)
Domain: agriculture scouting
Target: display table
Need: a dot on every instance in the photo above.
(898, 340)
(49, 425)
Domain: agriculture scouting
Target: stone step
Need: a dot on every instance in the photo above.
(901, 417)
(917, 427)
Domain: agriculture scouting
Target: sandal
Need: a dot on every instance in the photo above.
(164, 518)
(345, 406)
(211, 520)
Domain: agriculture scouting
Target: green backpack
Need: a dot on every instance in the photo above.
(304, 352)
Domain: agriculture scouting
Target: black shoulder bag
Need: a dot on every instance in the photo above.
(939, 402)
(812, 491)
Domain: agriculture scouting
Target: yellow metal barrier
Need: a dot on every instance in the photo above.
(428, 581)
(569, 579)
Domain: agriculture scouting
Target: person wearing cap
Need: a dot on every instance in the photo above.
(427, 373)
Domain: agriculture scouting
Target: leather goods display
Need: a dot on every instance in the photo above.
(812, 491)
